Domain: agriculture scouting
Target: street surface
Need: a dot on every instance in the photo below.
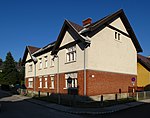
(16, 107)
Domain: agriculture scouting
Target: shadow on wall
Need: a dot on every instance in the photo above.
(141, 89)
(147, 87)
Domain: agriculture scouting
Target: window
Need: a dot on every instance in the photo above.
(117, 36)
(40, 63)
(45, 82)
(74, 83)
(30, 83)
(52, 82)
(30, 68)
(71, 54)
(46, 64)
(40, 81)
(52, 61)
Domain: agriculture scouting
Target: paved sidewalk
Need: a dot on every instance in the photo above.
(92, 111)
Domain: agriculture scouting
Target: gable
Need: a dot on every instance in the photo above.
(117, 23)
(76, 37)
(67, 39)
(28, 57)
(113, 18)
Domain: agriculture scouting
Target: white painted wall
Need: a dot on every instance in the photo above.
(108, 54)
(41, 72)
(27, 72)
(28, 57)
(46, 71)
(73, 66)
(67, 39)
(119, 25)
(104, 54)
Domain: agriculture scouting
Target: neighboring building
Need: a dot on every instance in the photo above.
(143, 69)
(99, 57)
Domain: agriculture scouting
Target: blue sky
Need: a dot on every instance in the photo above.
(38, 22)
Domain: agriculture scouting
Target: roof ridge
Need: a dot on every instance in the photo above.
(75, 25)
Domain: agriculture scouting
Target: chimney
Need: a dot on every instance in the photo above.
(148, 57)
(87, 22)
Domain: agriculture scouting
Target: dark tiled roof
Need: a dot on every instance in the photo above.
(120, 13)
(99, 21)
(33, 49)
(76, 26)
(45, 49)
(145, 61)
(49, 45)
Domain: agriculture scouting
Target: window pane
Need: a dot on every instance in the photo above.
(45, 82)
(71, 54)
(52, 82)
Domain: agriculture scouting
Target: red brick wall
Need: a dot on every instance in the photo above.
(101, 83)
(107, 82)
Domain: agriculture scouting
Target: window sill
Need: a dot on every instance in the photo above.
(118, 40)
(45, 87)
(45, 68)
(51, 66)
(65, 88)
(51, 88)
(30, 87)
(40, 87)
(70, 62)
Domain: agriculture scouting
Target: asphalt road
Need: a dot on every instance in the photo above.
(142, 111)
(13, 107)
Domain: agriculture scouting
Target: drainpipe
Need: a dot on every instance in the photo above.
(56, 56)
(57, 74)
(34, 76)
(85, 71)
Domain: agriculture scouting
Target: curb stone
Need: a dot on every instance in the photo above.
(85, 113)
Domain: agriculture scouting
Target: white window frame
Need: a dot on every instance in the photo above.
(30, 67)
(117, 36)
(74, 83)
(71, 54)
(46, 62)
(40, 82)
(52, 82)
(45, 82)
(30, 83)
(51, 61)
(40, 63)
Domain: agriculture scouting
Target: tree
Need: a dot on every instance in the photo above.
(21, 70)
(10, 73)
(1, 62)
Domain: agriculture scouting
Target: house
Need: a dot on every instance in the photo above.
(143, 70)
(95, 58)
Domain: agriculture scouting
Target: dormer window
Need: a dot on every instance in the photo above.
(71, 54)
(117, 36)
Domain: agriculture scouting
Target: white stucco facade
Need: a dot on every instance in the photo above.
(104, 54)
(111, 55)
